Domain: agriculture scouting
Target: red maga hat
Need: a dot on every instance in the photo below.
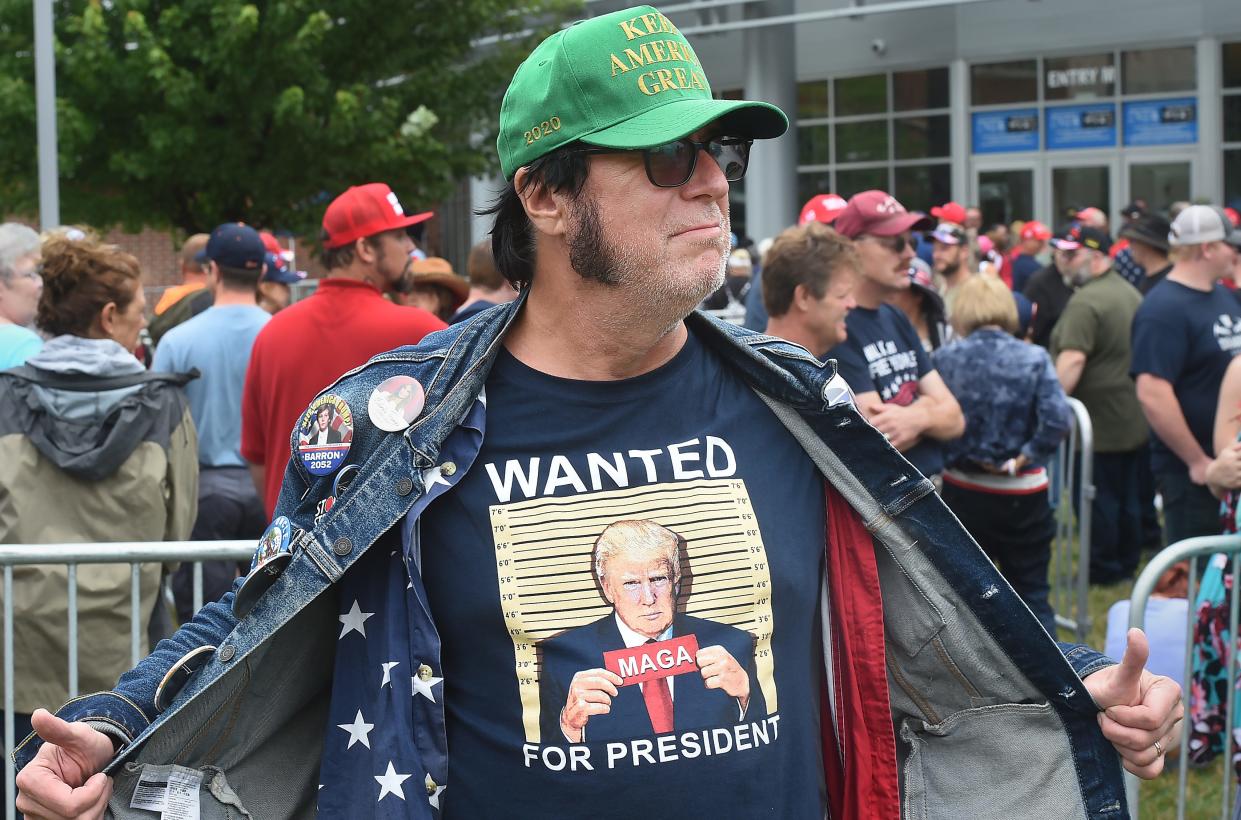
(879, 214)
(822, 208)
(365, 210)
(950, 212)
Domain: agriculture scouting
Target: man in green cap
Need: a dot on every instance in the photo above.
(624, 561)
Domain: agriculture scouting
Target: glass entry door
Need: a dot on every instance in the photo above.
(1005, 195)
(1080, 186)
(1159, 184)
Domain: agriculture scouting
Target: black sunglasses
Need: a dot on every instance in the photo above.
(896, 243)
(672, 164)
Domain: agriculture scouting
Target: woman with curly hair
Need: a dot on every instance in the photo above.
(92, 448)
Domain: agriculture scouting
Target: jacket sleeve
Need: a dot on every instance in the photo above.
(127, 710)
(1084, 660)
(182, 479)
(1051, 413)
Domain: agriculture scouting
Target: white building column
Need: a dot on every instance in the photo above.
(959, 118)
(770, 55)
(1208, 180)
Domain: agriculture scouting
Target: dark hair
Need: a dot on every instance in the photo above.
(80, 277)
(805, 255)
(238, 278)
(342, 257)
(512, 238)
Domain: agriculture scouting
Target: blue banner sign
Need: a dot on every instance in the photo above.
(997, 132)
(1161, 122)
(1081, 126)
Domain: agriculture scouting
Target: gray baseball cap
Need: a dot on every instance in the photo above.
(1199, 224)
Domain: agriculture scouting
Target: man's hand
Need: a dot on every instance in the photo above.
(1139, 708)
(720, 670)
(590, 693)
(64, 780)
(901, 425)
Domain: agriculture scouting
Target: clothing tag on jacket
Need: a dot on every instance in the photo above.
(174, 794)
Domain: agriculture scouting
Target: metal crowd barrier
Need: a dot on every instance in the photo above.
(1070, 585)
(1191, 549)
(71, 555)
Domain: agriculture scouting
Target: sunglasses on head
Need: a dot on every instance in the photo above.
(672, 164)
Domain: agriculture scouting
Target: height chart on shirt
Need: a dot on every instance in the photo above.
(575, 574)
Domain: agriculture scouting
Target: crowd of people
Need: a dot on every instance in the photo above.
(591, 540)
(961, 349)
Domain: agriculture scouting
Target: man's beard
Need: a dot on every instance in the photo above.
(596, 259)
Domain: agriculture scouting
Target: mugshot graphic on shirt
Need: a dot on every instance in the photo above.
(661, 593)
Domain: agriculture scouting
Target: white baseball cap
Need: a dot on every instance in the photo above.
(1197, 225)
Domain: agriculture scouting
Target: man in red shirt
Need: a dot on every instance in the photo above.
(366, 251)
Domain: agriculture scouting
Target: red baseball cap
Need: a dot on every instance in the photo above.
(950, 212)
(365, 210)
(822, 208)
(1035, 230)
(879, 214)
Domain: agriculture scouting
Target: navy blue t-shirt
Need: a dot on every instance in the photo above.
(883, 354)
(1187, 337)
(1024, 266)
(553, 559)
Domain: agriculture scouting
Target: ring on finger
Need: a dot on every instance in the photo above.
(1158, 749)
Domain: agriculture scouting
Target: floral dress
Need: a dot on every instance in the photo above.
(1208, 698)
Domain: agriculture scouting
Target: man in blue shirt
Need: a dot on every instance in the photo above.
(882, 359)
(217, 343)
(1184, 335)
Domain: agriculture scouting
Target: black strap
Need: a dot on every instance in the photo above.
(86, 383)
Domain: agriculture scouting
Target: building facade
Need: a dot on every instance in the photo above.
(1027, 108)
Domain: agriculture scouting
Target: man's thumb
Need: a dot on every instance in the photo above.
(1126, 685)
(58, 732)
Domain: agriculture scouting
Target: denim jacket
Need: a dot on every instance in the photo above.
(941, 675)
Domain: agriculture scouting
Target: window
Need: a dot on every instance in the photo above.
(862, 141)
(882, 131)
(1081, 77)
(998, 83)
(920, 90)
(814, 145)
(1158, 70)
(1232, 178)
(856, 180)
(922, 137)
(812, 99)
(862, 95)
(1232, 118)
(1232, 65)
(921, 187)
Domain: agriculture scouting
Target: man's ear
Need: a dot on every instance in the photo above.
(545, 208)
(802, 298)
(365, 251)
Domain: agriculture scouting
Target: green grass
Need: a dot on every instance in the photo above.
(1158, 799)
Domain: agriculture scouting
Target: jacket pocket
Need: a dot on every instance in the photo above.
(216, 799)
(1011, 760)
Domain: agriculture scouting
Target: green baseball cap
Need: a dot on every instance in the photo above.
(628, 79)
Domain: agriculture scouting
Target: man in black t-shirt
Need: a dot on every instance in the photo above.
(1050, 290)
(882, 358)
(1184, 335)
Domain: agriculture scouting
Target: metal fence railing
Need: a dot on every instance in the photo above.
(73, 555)
(1190, 549)
(1073, 490)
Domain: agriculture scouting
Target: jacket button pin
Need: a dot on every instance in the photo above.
(448, 468)
(226, 653)
(431, 785)
(342, 546)
(404, 487)
(424, 672)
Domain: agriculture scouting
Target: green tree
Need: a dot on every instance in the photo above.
(185, 114)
